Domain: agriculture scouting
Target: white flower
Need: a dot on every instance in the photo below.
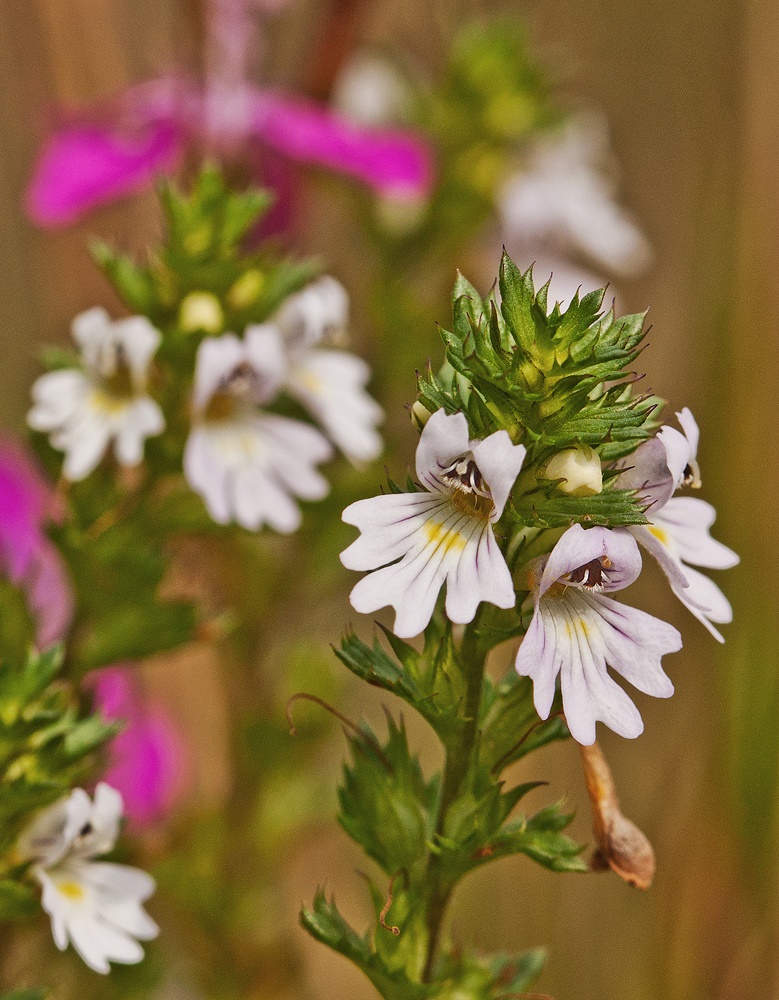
(564, 201)
(678, 532)
(441, 535)
(330, 384)
(84, 411)
(371, 91)
(94, 905)
(246, 464)
(577, 633)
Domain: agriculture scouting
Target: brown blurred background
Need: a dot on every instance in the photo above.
(691, 90)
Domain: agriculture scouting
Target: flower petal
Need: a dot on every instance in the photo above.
(389, 525)
(479, 574)
(579, 546)
(499, 462)
(391, 161)
(84, 165)
(687, 520)
(444, 438)
(217, 358)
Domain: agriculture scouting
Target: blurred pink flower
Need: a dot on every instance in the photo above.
(91, 160)
(149, 762)
(27, 502)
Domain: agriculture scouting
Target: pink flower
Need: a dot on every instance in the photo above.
(91, 160)
(27, 555)
(148, 759)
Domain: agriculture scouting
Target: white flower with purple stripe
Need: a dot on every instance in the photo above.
(96, 905)
(577, 633)
(678, 533)
(248, 465)
(416, 542)
(84, 411)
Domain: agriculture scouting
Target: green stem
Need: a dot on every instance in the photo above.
(459, 757)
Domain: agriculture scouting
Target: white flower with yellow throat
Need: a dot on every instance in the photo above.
(416, 542)
(106, 402)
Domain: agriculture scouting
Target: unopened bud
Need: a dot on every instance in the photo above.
(420, 415)
(579, 469)
(246, 290)
(201, 311)
(621, 845)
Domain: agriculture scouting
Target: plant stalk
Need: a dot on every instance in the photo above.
(457, 764)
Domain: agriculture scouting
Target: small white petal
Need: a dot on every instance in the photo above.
(444, 438)
(688, 520)
(331, 386)
(499, 462)
(217, 358)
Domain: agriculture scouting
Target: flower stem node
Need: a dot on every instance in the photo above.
(201, 311)
(578, 469)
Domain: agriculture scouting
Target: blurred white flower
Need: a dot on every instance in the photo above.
(441, 535)
(577, 633)
(246, 464)
(370, 90)
(563, 203)
(97, 906)
(330, 384)
(83, 411)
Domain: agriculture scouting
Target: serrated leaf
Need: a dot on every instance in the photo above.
(325, 923)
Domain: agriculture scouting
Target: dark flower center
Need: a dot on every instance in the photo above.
(241, 387)
(591, 575)
(470, 492)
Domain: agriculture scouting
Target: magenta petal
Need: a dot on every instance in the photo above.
(85, 165)
(391, 161)
(148, 759)
(27, 502)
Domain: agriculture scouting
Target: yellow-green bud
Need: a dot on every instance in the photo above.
(246, 290)
(201, 311)
(580, 470)
(419, 415)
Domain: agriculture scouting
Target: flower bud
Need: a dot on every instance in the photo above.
(247, 289)
(419, 415)
(580, 470)
(201, 311)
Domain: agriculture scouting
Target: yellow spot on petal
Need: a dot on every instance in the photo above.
(107, 403)
(440, 535)
(309, 381)
(660, 534)
(71, 890)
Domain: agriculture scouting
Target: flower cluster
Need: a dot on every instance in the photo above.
(96, 905)
(487, 509)
(248, 464)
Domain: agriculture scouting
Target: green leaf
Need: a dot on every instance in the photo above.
(540, 839)
(325, 923)
(386, 804)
